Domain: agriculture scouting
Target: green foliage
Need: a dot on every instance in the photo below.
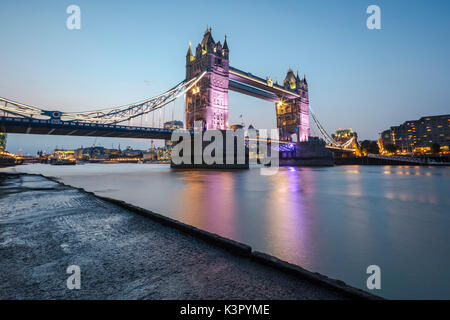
(391, 148)
(368, 146)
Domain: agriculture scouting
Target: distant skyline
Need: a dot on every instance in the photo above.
(126, 51)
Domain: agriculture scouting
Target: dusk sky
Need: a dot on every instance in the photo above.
(126, 51)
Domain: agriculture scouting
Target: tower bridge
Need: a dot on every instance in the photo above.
(209, 77)
(208, 103)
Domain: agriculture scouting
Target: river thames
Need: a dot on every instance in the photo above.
(336, 221)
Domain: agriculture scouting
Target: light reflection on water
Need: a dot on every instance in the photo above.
(336, 221)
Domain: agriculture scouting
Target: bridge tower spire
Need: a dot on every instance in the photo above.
(189, 56)
(208, 101)
(225, 47)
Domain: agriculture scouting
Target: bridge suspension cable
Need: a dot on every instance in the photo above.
(109, 115)
(347, 145)
(324, 133)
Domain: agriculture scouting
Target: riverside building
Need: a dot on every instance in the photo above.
(418, 136)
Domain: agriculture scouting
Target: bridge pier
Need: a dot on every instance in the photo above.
(307, 153)
(195, 151)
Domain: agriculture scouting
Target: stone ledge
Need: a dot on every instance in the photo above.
(314, 277)
(224, 243)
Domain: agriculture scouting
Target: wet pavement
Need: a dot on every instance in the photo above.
(46, 227)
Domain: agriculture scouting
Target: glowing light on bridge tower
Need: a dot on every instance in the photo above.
(208, 102)
(293, 114)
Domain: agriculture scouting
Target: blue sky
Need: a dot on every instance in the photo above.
(126, 51)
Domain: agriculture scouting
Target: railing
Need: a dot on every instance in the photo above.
(27, 121)
(397, 158)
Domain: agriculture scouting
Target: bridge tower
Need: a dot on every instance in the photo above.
(293, 114)
(208, 101)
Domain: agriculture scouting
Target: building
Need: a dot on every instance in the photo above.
(150, 155)
(2, 141)
(176, 124)
(344, 135)
(6, 158)
(173, 125)
(236, 126)
(92, 153)
(61, 156)
(418, 136)
(131, 153)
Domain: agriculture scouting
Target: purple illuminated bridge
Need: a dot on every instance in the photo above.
(207, 102)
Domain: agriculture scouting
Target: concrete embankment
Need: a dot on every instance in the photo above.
(46, 226)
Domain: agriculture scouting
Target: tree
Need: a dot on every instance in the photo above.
(368, 146)
(391, 148)
(435, 147)
(374, 148)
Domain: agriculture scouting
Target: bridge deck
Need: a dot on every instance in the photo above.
(251, 91)
(70, 128)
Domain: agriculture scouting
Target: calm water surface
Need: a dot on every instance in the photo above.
(336, 221)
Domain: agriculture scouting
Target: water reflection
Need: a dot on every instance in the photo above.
(416, 170)
(208, 201)
(285, 212)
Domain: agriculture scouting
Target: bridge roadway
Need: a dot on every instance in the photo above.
(72, 128)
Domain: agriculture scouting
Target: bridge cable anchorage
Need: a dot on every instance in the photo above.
(109, 115)
(327, 137)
